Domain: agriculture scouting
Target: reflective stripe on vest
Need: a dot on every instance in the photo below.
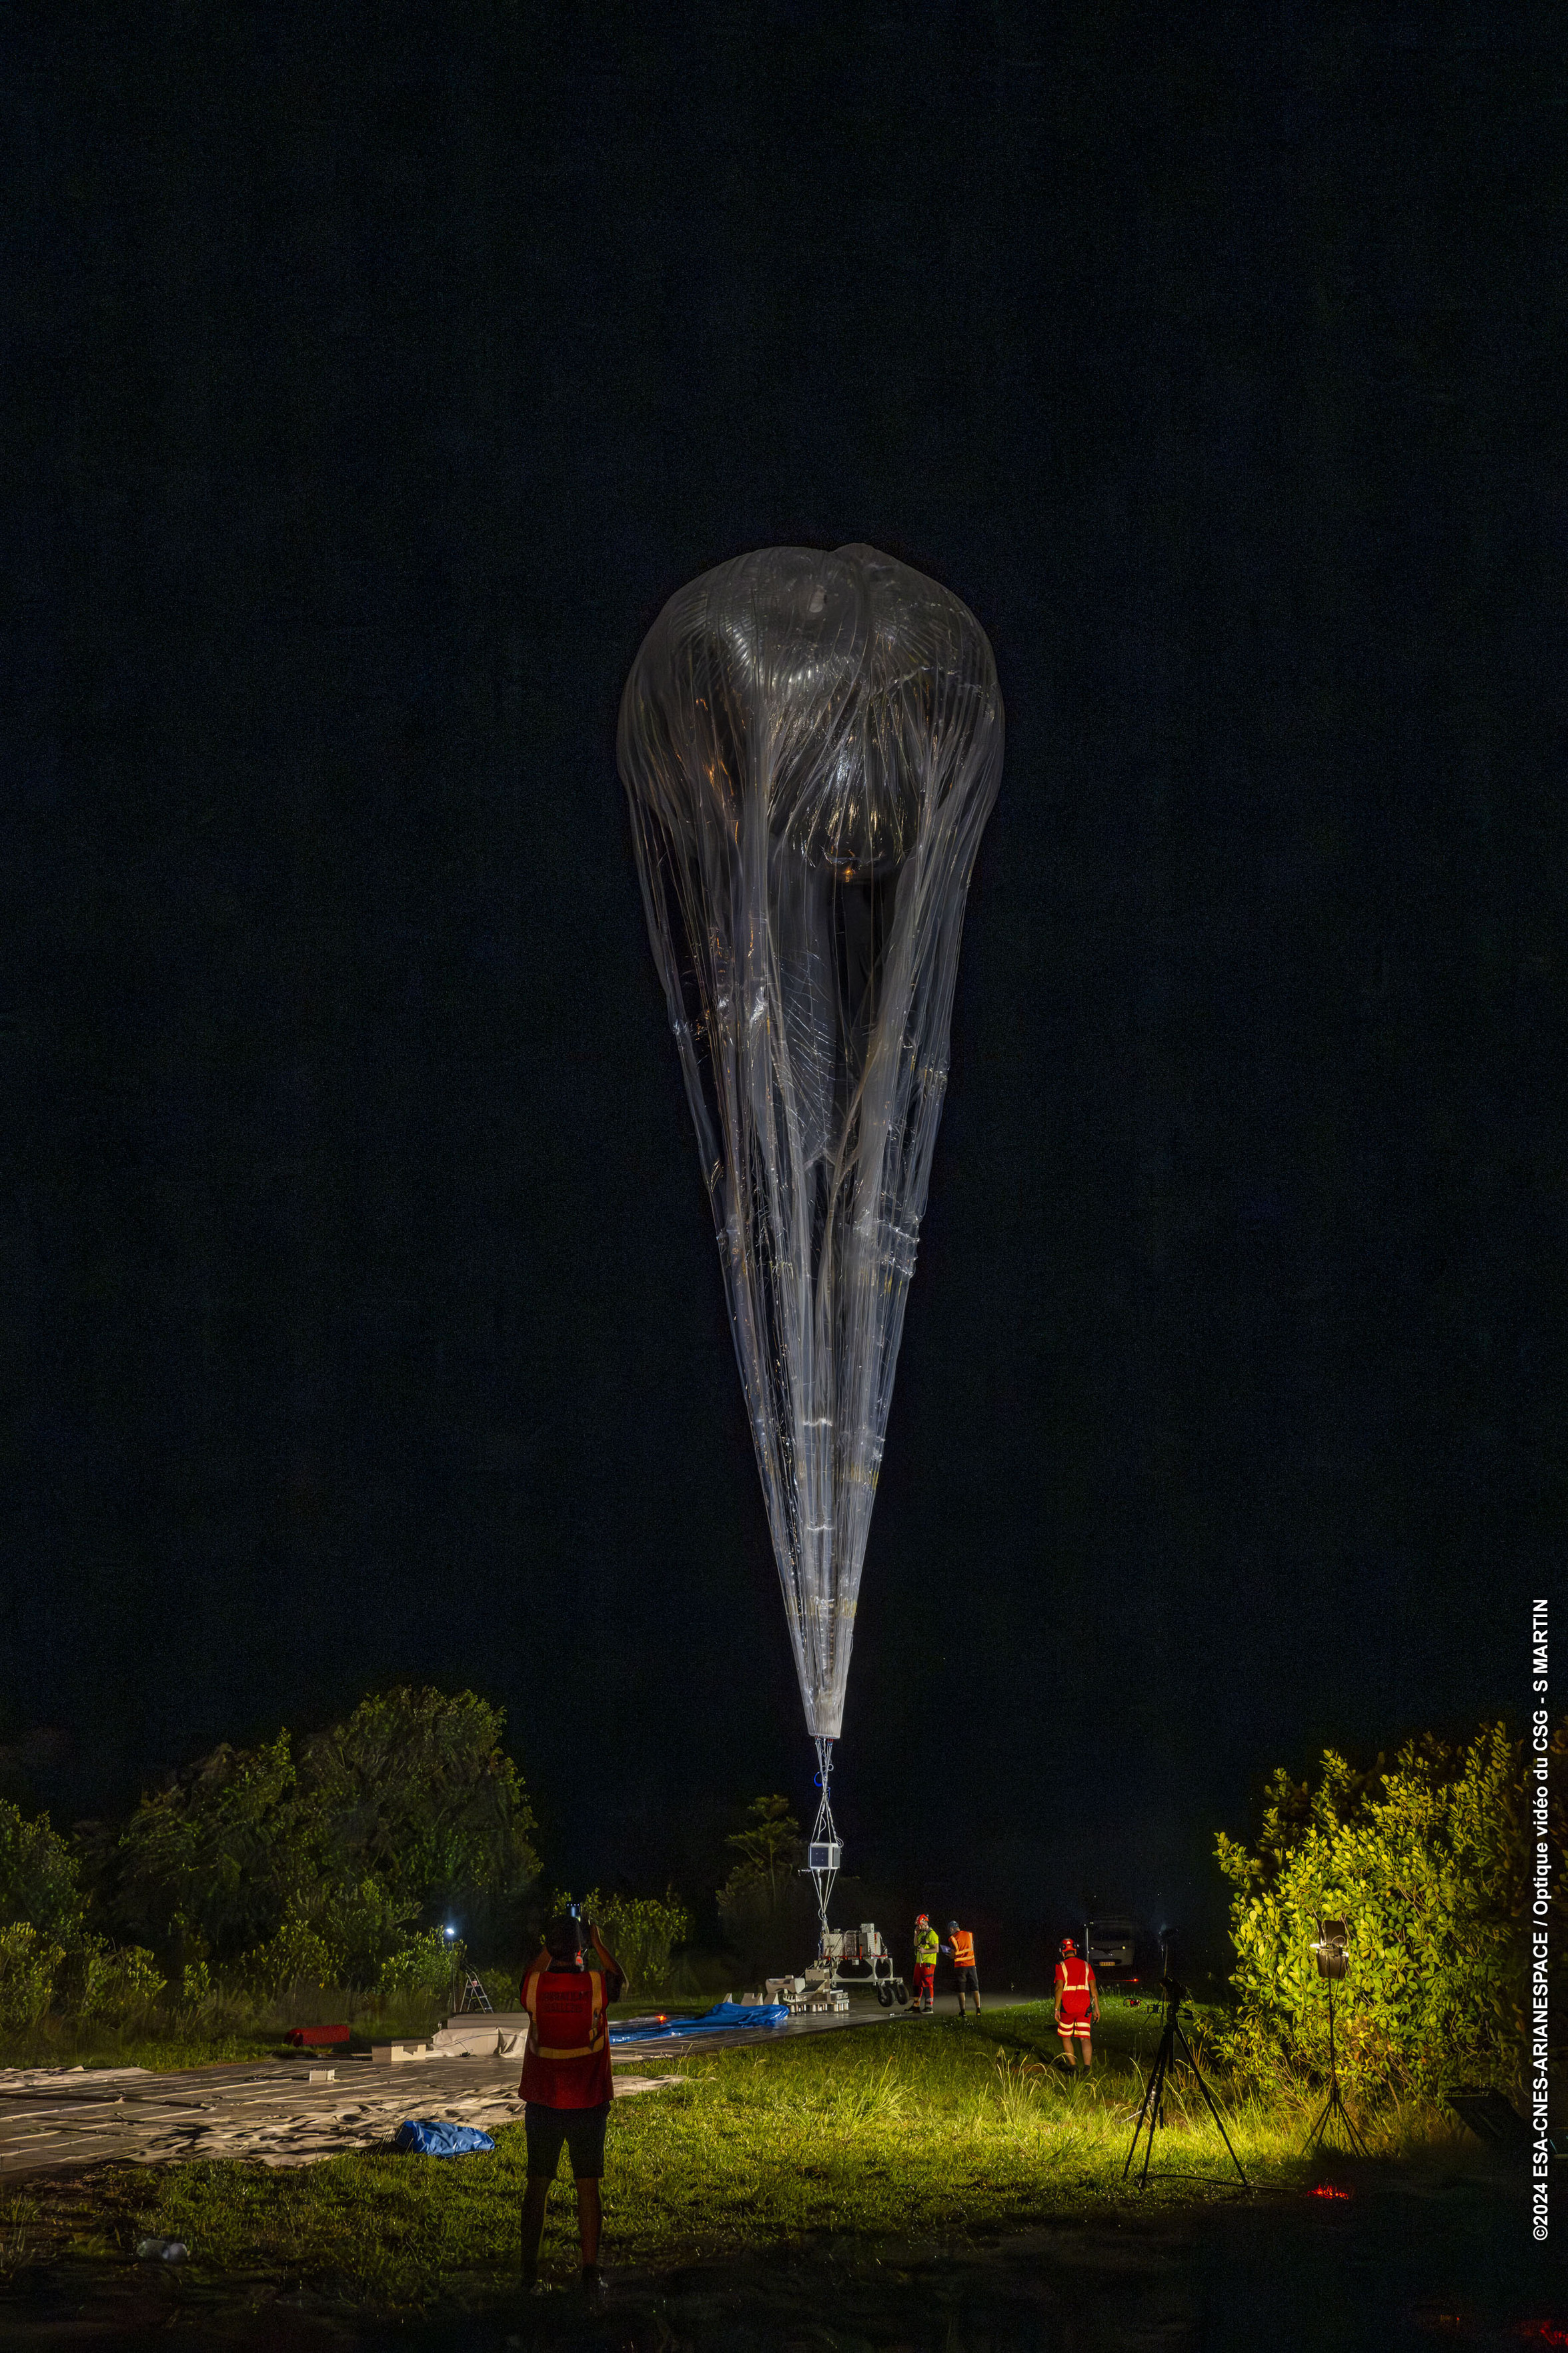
(597, 2030)
(962, 1949)
(1069, 1983)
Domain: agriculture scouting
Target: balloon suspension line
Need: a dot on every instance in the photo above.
(823, 1853)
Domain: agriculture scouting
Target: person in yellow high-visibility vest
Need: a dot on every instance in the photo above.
(960, 1950)
(928, 1944)
(1077, 2000)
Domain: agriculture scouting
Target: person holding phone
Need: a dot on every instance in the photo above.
(566, 2083)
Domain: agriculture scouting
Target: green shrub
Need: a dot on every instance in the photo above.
(423, 1968)
(39, 1879)
(1426, 1862)
(297, 1956)
(115, 1983)
(197, 1988)
(28, 1960)
(641, 1931)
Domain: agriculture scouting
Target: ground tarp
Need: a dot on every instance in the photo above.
(724, 2016)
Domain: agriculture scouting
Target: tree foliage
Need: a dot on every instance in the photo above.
(28, 1959)
(770, 1850)
(424, 1967)
(38, 1878)
(641, 1931)
(414, 1791)
(118, 1982)
(217, 1856)
(763, 1908)
(1425, 1860)
(296, 1866)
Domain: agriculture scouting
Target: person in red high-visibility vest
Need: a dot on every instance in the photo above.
(1077, 2000)
(566, 2083)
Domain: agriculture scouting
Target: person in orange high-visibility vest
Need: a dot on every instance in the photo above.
(960, 1950)
(1077, 2000)
(566, 2083)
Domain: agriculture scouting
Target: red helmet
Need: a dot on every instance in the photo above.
(1066, 1947)
(923, 1919)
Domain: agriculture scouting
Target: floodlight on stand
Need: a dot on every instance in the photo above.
(1332, 1947)
(1332, 1956)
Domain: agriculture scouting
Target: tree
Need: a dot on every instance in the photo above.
(210, 1863)
(641, 1931)
(414, 1794)
(770, 1847)
(408, 1807)
(1425, 1860)
(764, 1912)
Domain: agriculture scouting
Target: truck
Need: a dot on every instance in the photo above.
(1110, 1949)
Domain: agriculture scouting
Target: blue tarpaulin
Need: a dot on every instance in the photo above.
(724, 2014)
(427, 2136)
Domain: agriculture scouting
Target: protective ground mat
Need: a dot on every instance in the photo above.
(51, 2119)
(1410, 2262)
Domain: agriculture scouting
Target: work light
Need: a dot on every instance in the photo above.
(1333, 1936)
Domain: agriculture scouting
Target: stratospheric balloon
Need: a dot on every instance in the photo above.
(811, 745)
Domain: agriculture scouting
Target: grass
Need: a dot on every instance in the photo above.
(226, 2031)
(220, 2031)
(159, 2043)
(934, 2129)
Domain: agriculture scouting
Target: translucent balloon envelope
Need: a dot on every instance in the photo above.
(811, 745)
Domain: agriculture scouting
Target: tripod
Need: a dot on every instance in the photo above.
(1154, 2092)
(1333, 2105)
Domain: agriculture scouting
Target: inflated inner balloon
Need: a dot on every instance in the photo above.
(811, 745)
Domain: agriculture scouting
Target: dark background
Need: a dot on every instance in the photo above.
(374, 378)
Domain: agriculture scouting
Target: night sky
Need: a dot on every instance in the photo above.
(374, 378)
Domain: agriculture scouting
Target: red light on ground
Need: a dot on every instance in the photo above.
(1330, 2189)
(1542, 2332)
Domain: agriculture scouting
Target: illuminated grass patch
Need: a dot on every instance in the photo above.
(896, 2131)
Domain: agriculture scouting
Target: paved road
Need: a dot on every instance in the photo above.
(864, 2010)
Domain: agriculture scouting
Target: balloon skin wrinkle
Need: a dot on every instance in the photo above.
(811, 745)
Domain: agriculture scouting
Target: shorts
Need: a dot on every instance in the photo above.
(581, 2130)
(1070, 2026)
(967, 1981)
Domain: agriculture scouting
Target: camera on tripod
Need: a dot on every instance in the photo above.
(1150, 2113)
